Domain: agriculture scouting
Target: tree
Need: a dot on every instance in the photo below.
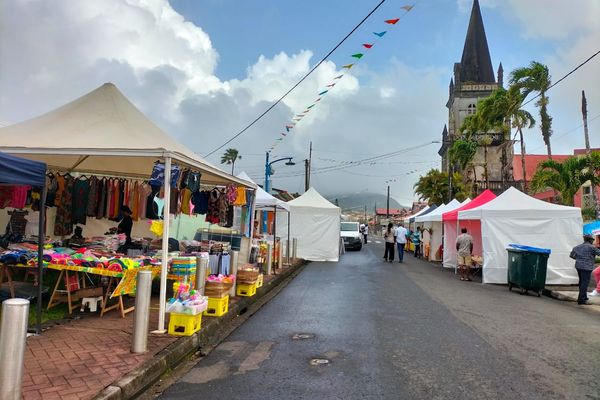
(230, 157)
(566, 177)
(434, 187)
(462, 152)
(536, 78)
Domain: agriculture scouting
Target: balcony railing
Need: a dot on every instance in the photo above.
(497, 186)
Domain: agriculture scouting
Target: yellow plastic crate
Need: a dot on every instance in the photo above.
(217, 307)
(184, 325)
(259, 282)
(246, 290)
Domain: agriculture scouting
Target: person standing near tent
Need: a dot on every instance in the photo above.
(584, 256)
(365, 232)
(390, 241)
(401, 233)
(464, 247)
(416, 239)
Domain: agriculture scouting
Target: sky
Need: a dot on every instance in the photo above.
(204, 69)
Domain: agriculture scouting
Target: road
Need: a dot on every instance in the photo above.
(401, 331)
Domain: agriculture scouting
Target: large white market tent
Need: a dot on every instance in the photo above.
(264, 200)
(103, 133)
(315, 222)
(514, 217)
(433, 222)
(415, 215)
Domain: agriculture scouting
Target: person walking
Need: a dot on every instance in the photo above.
(416, 239)
(390, 241)
(584, 256)
(401, 233)
(464, 247)
(365, 232)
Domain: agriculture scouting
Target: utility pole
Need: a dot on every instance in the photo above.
(309, 164)
(366, 215)
(306, 176)
(587, 147)
(387, 212)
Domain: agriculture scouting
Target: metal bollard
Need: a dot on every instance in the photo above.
(287, 251)
(294, 248)
(269, 260)
(141, 317)
(280, 261)
(235, 257)
(201, 267)
(13, 341)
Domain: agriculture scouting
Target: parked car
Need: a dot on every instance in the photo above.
(350, 232)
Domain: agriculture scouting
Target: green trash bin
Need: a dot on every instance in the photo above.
(527, 268)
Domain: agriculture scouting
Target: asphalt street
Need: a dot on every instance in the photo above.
(401, 331)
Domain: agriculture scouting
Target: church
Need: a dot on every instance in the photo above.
(473, 80)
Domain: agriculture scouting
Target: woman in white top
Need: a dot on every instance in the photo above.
(390, 241)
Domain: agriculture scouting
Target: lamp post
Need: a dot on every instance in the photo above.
(267, 180)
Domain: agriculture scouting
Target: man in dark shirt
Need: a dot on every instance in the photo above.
(584, 256)
(126, 224)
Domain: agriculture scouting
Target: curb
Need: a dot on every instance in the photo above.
(138, 380)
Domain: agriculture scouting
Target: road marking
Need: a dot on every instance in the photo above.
(378, 242)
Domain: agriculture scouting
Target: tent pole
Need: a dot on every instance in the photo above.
(287, 246)
(165, 246)
(40, 271)
(275, 234)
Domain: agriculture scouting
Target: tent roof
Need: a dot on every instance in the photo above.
(483, 198)
(410, 218)
(102, 132)
(263, 199)
(513, 203)
(19, 171)
(436, 215)
(430, 209)
(312, 199)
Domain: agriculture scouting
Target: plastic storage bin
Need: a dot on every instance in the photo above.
(184, 325)
(217, 306)
(246, 290)
(260, 281)
(527, 268)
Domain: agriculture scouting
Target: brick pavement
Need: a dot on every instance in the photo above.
(76, 360)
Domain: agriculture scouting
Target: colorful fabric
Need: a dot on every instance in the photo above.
(81, 191)
(63, 224)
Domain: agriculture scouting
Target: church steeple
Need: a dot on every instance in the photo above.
(476, 64)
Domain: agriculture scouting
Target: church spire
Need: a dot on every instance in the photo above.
(476, 64)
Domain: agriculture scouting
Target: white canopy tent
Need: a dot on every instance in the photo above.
(264, 200)
(103, 133)
(316, 224)
(407, 219)
(514, 217)
(433, 222)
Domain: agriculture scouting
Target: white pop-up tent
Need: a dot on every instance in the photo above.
(433, 222)
(407, 220)
(103, 133)
(315, 222)
(264, 201)
(514, 217)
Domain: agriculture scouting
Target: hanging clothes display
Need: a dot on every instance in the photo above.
(92, 203)
(63, 225)
(81, 190)
(240, 197)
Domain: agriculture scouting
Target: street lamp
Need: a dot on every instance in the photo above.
(268, 173)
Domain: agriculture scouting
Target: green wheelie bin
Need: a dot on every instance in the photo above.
(527, 268)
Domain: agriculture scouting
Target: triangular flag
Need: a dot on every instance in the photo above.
(279, 139)
(367, 45)
(380, 34)
(283, 134)
(289, 127)
(392, 21)
(357, 55)
(348, 66)
(311, 106)
(407, 8)
(331, 85)
(319, 99)
(338, 77)
(323, 92)
(306, 111)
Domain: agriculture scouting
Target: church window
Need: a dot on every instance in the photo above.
(471, 109)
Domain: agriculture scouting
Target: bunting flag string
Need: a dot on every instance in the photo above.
(357, 57)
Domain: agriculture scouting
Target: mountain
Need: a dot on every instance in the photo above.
(360, 200)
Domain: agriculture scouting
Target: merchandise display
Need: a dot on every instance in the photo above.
(186, 300)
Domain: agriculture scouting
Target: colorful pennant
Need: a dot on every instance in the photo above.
(347, 66)
(323, 92)
(392, 21)
(358, 55)
(380, 34)
(367, 45)
(339, 77)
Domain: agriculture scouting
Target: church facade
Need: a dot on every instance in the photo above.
(473, 80)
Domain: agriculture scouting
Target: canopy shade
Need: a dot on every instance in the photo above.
(20, 171)
(436, 215)
(483, 198)
(411, 218)
(429, 210)
(264, 201)
(102, 132)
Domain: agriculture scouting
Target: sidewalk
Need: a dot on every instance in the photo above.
(79, 358)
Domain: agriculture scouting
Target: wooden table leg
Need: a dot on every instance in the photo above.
(55, 291)
(5, 270)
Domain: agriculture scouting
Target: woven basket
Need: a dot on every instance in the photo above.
(249, 275)
(217, 289)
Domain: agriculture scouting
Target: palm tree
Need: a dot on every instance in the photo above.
(434, 187)
(230, 157)
(566, 177)
(536, 78)
(462, 152)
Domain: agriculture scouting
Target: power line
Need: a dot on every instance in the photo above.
(564, 77)
(297, 84)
